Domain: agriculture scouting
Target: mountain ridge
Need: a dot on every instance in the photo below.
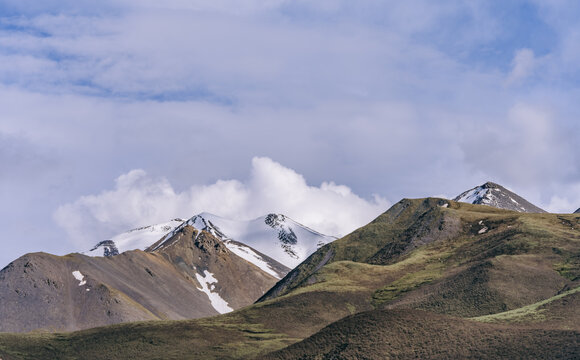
(457, 262)
(492, 281)
(275, 235)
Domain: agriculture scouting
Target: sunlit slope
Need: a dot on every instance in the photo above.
(447, 257)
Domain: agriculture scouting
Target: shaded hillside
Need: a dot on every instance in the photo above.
(242, 334)
(411, 334)
(559, 311)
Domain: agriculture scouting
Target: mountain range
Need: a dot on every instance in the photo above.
(429, 278)
(180, 269)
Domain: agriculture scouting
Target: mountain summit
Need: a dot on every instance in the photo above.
(495, 195)
(275, 235)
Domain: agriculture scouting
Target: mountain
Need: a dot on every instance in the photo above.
(191, 274)
(275, 235)
(495, 195)
(139, 238)
(180, 269)
(577, 211)
(429, 278)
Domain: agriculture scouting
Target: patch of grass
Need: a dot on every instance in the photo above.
(569, 267)
(347, 276)
(532, 312)
(407, 283)
(351, 308)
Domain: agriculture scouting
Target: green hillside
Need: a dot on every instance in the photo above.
(469, 266)
(414, 334)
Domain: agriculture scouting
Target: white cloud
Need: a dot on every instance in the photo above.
(138, 199)
(404, 99)
(523, 65)
(567, 201)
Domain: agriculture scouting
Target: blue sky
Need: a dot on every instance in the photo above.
(120, 113)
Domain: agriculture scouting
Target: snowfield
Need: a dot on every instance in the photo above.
(274, 235)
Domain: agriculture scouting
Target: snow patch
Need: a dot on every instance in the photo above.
(474, 195)
(250, 256)
(80, 277)
(208, 282)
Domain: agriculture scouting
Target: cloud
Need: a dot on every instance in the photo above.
(138, 199)
(522, 66)
(403, 99)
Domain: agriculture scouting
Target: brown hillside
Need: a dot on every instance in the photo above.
(39, 291)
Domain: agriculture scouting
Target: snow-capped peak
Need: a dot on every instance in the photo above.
(140, 238)
(495, 195)
(274, 235)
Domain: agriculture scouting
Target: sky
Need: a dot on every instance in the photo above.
(120, 114)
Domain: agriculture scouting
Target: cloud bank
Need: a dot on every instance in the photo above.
(401, 99)
(138, 199)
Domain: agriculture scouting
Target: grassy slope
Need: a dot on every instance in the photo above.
(560, 311)
(412, 334)
(418, 255)
(251, 331)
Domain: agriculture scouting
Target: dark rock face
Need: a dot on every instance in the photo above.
(286, 235)
(577, 211)
(495, 195)
(109, 248)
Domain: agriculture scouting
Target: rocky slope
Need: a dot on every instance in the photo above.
(193, 275)
(495, 195)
